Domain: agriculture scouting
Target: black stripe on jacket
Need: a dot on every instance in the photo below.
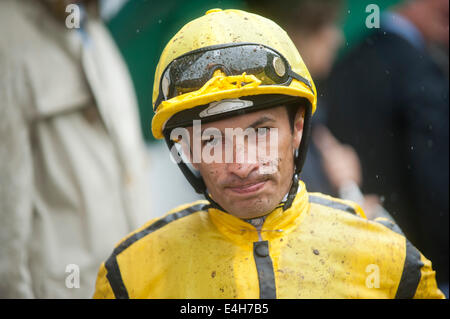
(112, 267)
(411, 268)
(332, 204)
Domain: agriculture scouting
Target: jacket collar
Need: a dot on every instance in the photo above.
(277, 223)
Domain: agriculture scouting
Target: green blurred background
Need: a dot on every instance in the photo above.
(142, 28)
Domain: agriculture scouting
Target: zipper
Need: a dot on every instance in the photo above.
(258, 223)
(264, 266)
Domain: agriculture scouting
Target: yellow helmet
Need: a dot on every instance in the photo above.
(227, 34)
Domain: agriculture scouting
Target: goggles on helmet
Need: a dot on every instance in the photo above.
(192, 70)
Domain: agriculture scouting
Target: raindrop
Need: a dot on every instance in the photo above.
(159, 21)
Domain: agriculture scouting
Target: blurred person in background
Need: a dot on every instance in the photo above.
(330, 167)
(72, 161)
(398, 93)
(141, 29)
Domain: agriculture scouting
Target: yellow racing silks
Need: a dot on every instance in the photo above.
(321, 247)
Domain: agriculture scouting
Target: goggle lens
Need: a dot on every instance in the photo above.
(191, 71)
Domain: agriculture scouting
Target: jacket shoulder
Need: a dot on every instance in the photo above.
(382, 243)
(160, 222)
(347, 208)
(336, 204)
(111, 272)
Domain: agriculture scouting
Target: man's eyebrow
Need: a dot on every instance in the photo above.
(260, 121)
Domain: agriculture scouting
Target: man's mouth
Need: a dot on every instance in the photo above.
(247, 188)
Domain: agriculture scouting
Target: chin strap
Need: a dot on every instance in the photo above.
(212, 203)
(292, 193)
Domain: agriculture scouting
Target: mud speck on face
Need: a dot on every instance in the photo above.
(213, 274)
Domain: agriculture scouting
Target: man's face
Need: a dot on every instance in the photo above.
(260, 173)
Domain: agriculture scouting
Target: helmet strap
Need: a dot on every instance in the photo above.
(212, 202)
(196, 181)
(299, 158)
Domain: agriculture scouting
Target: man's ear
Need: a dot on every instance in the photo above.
(298, 127)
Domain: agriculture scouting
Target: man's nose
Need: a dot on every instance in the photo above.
(242, 170)
(244, 161)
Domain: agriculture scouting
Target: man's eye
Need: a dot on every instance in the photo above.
(262, 131)
(212, 141)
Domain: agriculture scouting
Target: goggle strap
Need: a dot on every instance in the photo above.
(301, 79)
(291, 73)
